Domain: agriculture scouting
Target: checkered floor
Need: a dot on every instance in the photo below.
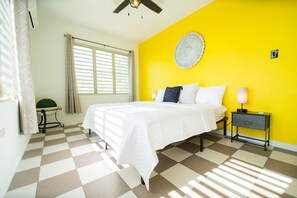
(70, 163)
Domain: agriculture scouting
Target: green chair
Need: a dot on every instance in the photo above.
(47, 107)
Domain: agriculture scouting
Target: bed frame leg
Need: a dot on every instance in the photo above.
(225, 126)
(201, 142)
(90, 131)
(141, 180)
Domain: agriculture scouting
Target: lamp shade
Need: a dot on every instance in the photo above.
(135, 3)
(242, 95)
(154, 95)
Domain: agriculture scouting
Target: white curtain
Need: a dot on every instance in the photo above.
(28, 117)
(72, 98)
(132, 87)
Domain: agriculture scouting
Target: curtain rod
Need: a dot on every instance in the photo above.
(99, 44)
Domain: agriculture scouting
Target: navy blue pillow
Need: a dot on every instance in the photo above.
(172, 94)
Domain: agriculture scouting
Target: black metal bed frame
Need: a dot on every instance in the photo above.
(224, 120)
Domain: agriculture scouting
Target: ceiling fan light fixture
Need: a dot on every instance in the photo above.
(135, 3)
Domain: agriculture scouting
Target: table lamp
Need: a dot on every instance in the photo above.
(242, 98)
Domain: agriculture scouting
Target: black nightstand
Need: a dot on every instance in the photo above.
(252, 120)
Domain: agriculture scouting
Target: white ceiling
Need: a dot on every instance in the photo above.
(98, 15)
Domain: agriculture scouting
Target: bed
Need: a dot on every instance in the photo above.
(137, 130)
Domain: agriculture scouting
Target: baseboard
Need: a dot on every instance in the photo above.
(274, 143)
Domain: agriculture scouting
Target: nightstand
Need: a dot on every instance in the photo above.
(252, 120)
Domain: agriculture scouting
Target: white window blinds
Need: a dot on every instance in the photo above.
(6, 51)
(104, 66)
(122, 73)
(101, 72)
(84, 69)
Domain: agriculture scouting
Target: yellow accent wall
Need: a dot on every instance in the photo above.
(239, 36)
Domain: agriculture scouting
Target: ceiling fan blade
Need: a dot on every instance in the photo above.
(151, 5)
(121, 6)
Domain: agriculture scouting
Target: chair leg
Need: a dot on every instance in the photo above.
(44, 124)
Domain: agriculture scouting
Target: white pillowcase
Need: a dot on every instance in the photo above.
(210, 95)
(188, 93)
(160, 95)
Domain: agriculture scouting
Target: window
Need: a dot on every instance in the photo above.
(101, 72)
(6, 51)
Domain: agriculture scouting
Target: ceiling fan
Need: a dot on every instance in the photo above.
(135, 3)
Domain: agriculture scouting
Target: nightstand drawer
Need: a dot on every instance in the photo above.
(249, 121)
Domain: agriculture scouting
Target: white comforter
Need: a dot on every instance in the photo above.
(136, 130)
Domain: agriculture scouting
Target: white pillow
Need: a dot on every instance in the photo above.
(210, 95)
(160, 95)
(188, 93)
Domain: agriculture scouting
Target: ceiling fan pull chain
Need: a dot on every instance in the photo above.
(128, 11)
(141, 13)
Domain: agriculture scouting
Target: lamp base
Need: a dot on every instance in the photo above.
(242, 110)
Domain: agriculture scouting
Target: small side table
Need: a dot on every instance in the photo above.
(252, 120)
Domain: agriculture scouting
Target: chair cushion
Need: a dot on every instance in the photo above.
(45, 103)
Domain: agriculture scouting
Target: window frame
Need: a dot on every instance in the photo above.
(95, 83)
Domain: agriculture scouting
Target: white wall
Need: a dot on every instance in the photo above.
(12, 143)
(48, 55)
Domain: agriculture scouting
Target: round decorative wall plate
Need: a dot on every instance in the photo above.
(189, 50)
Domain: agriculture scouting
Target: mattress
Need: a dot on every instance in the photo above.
(136, 130)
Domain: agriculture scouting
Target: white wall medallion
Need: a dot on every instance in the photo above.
(189, 50)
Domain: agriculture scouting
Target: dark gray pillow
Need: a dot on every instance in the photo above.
(172, 94)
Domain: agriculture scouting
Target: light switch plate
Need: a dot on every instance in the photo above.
(2, 132)
(274, 54)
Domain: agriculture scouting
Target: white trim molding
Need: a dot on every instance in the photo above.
(273, 143)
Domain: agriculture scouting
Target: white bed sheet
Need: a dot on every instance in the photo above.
(136, 130)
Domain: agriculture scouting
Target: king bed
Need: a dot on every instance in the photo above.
(137, 130)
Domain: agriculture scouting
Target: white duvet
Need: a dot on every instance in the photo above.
(136, 130)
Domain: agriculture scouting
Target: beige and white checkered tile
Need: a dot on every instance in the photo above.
(72, 130)
(86, 159)
(55, 148)
(213, 156)
(234, 144)
(176, 154)
(32, 153)
(56, 168)
(281, 167)
(130, 176)
(57, 156)
(71, 163)
(284, 157)
(76, 137)
(58, 185)
(159, 187)
(164, 163)
(34, 146)
(24, 178)
(54, 137)
(250, 157)
(204, 166)
(38, 135)
(179, 175)
(30, 163)
(105, 186)
(78, 192)
(81, 150)
(227, 150)
(54, 129)
(196, 140)
(129, 194)
(79, 143)
(93, 171)
(55, 141)
(25, 191)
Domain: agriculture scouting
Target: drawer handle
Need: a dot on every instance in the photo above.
(247, 123)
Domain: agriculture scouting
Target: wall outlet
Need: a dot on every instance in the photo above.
(274, 54)
(2, 132)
